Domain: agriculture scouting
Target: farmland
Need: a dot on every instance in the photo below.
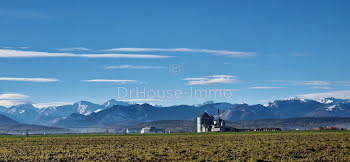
(240, 146)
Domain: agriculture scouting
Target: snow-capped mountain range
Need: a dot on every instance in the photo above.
(114, 112)
(27, 113)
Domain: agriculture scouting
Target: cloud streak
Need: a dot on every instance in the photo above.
(311, 83)
(110, 81)
(134, 67)
(29, 79)
(336, 94)
(321, 87)
(74, 49)
(212, 79)
(9, 103)
(11, 96)
(314, 84)
(265, 87)
(216, 52)
(8, 53)
(7, 47)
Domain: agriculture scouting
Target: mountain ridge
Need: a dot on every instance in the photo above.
(278, 109)
(84, 113)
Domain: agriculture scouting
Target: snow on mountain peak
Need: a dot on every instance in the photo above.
(82, 108)
(271, 104)
(330, 108)
(297, 99)
(110, 103)
(113, 102)
(331, 100)
(325, 100)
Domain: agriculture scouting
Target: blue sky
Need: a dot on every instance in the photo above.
(62, 51)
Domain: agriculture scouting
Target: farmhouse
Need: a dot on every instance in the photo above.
(208, 123)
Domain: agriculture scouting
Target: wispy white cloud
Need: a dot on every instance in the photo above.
(311, 83)
(213, 79)
(134, 67)
(221, 76)
(7, 47)
(110, 81)
(216, 52)
(8, 100)
(74, 49)
(9, 103)
(314, 83)
(8, 53)
(11, 96)
(29, 79)
(11, 99)
(140, 56)
(265, 87)
(321, 87)
(336, 94)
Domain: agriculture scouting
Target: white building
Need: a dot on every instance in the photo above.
(152, 130)
(207, 123)
(204, 122)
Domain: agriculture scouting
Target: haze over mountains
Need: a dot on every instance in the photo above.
(8, 125)
(113, 113)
